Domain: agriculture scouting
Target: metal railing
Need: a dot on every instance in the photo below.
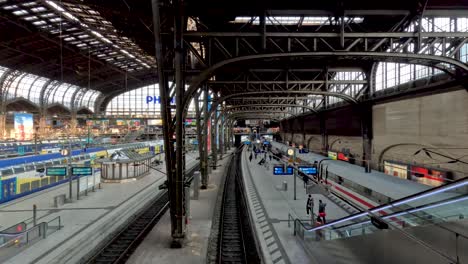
(436, 208)
(12, 243)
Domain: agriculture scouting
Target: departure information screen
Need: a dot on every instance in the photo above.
(82, 171)
(309, 170)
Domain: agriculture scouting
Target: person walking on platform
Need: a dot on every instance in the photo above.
(255, 155)
(250, 157)
(321, 210)
(305, 178)
(310, 206)
(270, 156)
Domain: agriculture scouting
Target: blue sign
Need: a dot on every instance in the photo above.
(156, 99)
(304, 150)
(279, 170)
(247, 142)
(309, 170)
(266, 143)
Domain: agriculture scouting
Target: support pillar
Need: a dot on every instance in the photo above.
(201, 141)
(366, 128)
(324, 134)
(221, 137)
(206, 120)
(2, 125)
(214, 134)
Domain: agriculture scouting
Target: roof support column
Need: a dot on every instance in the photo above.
(200, 138)
(175, 197)
(207, 120)
(323, 132)
(214, 136)
(177, 185)
(366, 129)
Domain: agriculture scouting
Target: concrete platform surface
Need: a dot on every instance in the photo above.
(155, 247)
(271, 208)
(86, 222)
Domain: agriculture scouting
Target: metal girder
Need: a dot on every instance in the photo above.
(430, 60)
(271, 105)
(348, 35)
(290, 82)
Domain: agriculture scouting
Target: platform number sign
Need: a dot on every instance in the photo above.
(21, 150)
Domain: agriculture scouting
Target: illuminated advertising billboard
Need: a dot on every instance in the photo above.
(397, 170)
(342, 156)
(332, 155)
(121, 122)
(155, 122)
(23, 126)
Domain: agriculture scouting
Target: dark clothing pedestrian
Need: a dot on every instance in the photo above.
(321, 210)
(270, 157)
(255, 155)
(250, 157)
(310, 205)
(306, 180)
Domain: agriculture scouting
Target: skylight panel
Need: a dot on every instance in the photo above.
(38, 23)
(30, 18)
(38, 9)
(20, 12)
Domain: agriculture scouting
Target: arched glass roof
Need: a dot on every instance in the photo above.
(29, 86)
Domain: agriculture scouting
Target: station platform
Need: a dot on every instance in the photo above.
(85, 222)
(272, 209)
(155, 248)
(390, 186)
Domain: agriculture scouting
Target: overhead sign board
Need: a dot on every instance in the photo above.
(309, 170)
(82, 171)
(56, 171)
(279, 170)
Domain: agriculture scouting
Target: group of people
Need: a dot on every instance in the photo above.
(321, 210)
(256, 151)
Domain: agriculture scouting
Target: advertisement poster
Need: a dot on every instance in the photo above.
(397, 170)
(332, 155)
(121, 122)
(23, 126)
(154, 122)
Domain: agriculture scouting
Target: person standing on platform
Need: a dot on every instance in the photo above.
(318, 233)
(250, 157)
(270, 156)
(310, 206)
(321, 211)
(255, 155)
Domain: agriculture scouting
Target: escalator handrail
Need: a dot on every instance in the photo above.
(447, 187)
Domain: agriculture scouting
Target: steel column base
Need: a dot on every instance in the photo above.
(177, 243)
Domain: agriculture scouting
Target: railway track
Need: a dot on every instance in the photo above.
(119, 249)
(122, 245)
(236, 242)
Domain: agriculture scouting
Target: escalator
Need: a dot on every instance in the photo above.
(427, 227)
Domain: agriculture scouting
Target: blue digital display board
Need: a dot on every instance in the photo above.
(304, 150)
(279, 170)
(309, 170)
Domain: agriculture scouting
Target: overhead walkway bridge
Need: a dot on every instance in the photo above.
(427, 227)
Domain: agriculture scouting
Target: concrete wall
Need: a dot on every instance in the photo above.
(435, 121)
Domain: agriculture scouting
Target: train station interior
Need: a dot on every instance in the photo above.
(213, 131)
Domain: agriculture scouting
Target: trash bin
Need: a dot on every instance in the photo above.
(285, 186)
